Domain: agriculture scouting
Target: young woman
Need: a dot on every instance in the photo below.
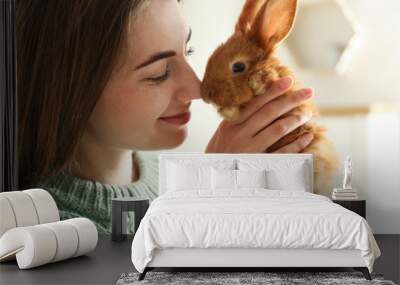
(99, 82)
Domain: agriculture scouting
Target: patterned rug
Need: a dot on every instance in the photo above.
(269, 278)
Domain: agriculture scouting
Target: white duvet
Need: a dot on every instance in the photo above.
(252, 218)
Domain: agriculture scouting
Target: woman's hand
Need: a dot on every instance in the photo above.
(254, 132)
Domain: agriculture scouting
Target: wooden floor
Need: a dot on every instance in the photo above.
(388, 263)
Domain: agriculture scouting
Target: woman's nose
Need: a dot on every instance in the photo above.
(192, 84)
(196, 94)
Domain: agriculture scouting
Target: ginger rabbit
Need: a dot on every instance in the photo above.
(245, 66)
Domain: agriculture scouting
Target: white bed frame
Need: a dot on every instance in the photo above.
(240, 258)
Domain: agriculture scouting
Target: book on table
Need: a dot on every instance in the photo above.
(344, 194)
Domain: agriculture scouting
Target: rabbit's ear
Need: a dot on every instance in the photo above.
(248, 15)
(274, 22)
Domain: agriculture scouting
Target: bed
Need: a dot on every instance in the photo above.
(247, 211)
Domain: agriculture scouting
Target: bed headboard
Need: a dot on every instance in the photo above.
(210, 158)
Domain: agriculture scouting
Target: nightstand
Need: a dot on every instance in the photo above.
(120, 208)
(357, 206)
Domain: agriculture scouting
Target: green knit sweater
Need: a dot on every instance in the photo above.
(78, 197)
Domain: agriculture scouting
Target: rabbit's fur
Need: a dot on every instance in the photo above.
(262, 25)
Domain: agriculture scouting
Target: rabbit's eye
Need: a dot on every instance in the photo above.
(238, 67)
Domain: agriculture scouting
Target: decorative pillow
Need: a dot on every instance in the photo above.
(230, 180)
(223, 179)
(282, 174)
(251, 178)
(188, 177)
(290, 179)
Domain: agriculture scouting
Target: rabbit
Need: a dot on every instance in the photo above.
(245, 66)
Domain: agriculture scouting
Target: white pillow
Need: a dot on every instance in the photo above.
(291, 179)
(223, 179)
(188, 177)
(251, 178)
(282, 174)
(229, 179)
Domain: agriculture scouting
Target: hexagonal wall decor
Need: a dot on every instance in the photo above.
(323, 37)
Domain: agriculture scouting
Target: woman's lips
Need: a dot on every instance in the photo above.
(177, 120)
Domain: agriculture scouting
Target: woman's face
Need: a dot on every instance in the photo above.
(152, 80)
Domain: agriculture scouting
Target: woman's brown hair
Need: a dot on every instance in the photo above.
(66, 50)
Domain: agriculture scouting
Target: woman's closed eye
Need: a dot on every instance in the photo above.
(167, 73)
(160, 78)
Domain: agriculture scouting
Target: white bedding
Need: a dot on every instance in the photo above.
(251, 218)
